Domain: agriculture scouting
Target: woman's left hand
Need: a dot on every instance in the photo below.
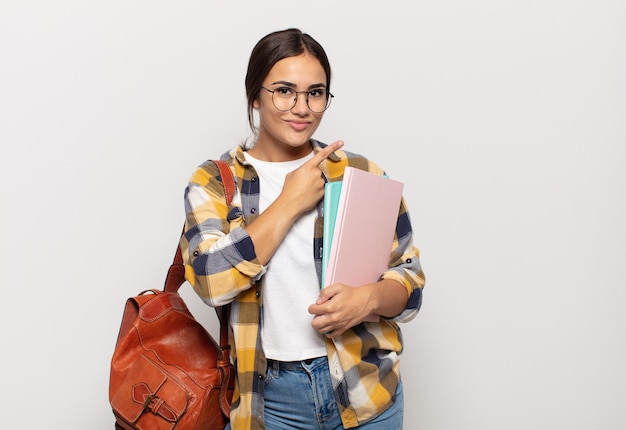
(340, 307)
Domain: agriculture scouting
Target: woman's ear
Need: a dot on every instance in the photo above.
(255, 104)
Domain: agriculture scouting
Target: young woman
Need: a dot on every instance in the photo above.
(304, 357)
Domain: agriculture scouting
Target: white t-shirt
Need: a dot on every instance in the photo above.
(290, 284)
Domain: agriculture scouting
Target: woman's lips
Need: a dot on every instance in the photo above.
(298, 125)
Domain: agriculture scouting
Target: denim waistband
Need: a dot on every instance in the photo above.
(294, 365)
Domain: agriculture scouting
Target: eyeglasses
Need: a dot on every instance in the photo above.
(285, 98)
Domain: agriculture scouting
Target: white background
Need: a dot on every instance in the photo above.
(505, 119)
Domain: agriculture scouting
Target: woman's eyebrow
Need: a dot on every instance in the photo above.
(292, 85)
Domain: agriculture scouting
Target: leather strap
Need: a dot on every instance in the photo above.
(228, 180)
(176, 273)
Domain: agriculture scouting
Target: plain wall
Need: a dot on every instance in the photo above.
(505, 119)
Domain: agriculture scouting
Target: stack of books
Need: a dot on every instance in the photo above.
(360, 217)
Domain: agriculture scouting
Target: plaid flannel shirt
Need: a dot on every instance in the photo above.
(222, 267)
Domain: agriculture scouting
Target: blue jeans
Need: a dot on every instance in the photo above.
(299, 395)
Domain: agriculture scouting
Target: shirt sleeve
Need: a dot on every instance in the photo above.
(405, 267)
(220, 261)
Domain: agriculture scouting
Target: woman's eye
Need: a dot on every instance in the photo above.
(284, 91)
(319, 92)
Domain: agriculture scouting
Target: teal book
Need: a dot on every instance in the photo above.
(332, 191)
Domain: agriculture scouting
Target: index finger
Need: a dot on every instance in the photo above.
(324, 153)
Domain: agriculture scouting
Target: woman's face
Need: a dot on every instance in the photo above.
(285, 136)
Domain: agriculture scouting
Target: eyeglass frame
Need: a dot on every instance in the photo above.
(329, 98)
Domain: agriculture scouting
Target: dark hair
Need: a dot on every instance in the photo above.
(270, 50)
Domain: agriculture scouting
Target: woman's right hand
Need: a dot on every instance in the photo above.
(304, 187)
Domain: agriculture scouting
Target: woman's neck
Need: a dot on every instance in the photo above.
(273, 153)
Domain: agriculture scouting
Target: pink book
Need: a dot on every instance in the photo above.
(366, 220)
